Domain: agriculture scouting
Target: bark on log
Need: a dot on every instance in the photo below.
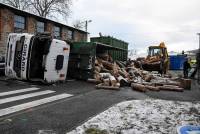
(106, 82)
(148, 78)
(120, 64)
(186, 83)
(113, 81)
(138, 87)
(107, 65)
(152, 88)
(122, 81)
(107, 87)
(171, 88)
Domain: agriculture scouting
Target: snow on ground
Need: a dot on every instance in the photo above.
(144, 117)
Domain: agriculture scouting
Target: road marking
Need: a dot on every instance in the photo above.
(19, 91)
(24, 106)
(21, 97)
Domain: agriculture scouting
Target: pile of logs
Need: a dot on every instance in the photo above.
(113, 75)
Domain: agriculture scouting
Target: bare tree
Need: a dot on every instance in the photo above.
(78, 24)
(43, 8)
(19, 4)
(51, 8)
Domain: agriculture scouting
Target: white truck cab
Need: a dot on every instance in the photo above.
(36, 57)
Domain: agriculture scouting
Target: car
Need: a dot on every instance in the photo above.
(2, 65)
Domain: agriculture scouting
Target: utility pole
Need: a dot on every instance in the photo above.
(198, 60)
(86, 24)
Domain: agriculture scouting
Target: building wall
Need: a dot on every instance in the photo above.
(7, 26)
(79, 36)
(31, 25)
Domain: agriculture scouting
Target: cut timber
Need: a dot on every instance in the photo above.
(107, 65)
(123, 81)
(171, 88)
(120, 64)
(105, 75)
(152, 88)
(93, 81)
(123, 73)
(148, 78)
(138, 87)
(113, 81)
(107, 87)
(186, 83)
(106, 82)
(97, 69)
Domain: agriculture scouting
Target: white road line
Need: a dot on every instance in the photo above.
(21, 97)
(24, 106)
(19, 91)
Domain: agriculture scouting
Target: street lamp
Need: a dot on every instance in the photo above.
(198, 60)
(199, 40)
(86, 24)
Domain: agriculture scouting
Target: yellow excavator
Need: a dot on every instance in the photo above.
(157, 59)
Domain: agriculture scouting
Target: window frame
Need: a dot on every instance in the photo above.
(70, 36)
(19, 23)
(57, 32)
(40, 27)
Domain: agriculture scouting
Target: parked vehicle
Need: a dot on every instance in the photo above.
(2, 65)
(36, 57)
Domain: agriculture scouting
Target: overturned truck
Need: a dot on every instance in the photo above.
(36, 57)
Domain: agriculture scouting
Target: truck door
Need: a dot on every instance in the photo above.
(56, 61)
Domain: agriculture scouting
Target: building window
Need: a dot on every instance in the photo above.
(19, 23)
(57, 32)
(40, 27)
(70, 34)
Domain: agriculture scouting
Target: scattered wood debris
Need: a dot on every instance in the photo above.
(109, 74)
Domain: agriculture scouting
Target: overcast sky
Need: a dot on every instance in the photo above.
(143, 22)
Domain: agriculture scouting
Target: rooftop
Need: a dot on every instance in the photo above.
(17, 11)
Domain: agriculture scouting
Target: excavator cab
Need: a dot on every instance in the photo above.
(157, 59)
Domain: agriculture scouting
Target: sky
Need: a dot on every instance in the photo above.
(143, 22)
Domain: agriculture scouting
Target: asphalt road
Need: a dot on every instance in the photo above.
(62, 115)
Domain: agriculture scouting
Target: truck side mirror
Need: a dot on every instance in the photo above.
(59, 62)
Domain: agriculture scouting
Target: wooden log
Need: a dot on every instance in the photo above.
(107, 65)
(147, 78)
(152, 88)
(97, 77)
(105, 75)
(186, 83)
(115, 71)
(122, 81)
(106, 82)
(113, 81)
(103, 70)
(171, 88)
(96, 62)
(107, 87)
(120, 64)
(123, 73)
(148, 84)
(97, 69)
(93, 81)
(138, 87)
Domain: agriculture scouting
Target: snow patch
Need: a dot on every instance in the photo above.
(144, 116)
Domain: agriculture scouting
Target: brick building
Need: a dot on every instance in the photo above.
(18, 21)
